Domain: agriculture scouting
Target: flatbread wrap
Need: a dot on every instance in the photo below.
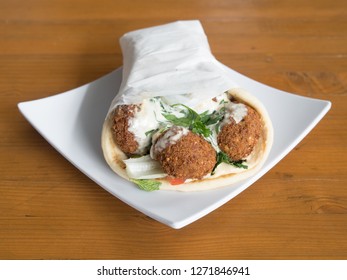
(178, 122)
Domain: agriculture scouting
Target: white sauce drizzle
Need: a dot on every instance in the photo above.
(147, 118)
(211, 105)
(237, 111)
(169, 138)
(144, 120)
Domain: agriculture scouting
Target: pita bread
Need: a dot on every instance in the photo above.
(225, 174)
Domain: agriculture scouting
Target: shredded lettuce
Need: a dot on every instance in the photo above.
(144, 167)
(146, 185)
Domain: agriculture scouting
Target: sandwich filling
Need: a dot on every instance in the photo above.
(180, 144)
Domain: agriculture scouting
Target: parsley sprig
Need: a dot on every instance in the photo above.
(223, 157)
(197, 123)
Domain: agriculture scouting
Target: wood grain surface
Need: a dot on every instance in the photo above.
(50, 210)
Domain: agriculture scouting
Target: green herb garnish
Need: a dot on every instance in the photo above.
(150, 132)
(223, 157)
(146, 185)
(217, 128)
(200, 128)
(184, 121)
(214, 117)
(197, 123)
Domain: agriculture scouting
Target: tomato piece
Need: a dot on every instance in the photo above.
(176, 181)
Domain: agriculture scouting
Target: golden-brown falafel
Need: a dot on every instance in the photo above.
(237, 140)
(122, 136)
(190, 157)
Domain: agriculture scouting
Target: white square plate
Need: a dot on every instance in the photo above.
(71, 122)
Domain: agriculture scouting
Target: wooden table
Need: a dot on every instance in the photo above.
(50, 210)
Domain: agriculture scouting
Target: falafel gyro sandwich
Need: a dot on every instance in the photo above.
(178, 121)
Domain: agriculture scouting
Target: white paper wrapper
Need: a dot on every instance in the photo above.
(173, 61)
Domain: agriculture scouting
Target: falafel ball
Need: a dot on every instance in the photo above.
(237, 140)
(184, 155)
(122, 136)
